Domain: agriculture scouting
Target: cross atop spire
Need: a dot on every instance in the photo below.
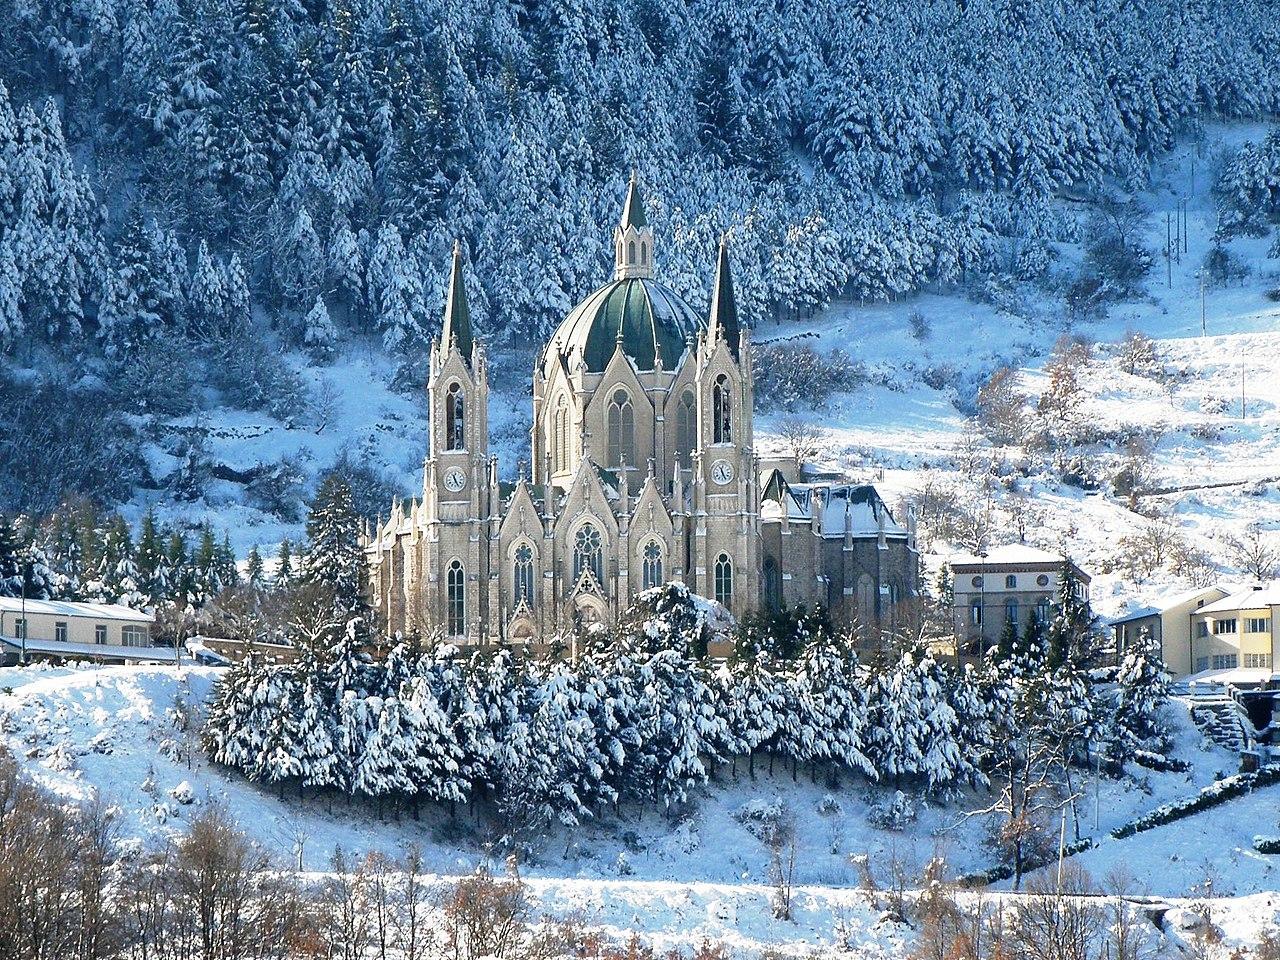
(457, 316)
(723, 322)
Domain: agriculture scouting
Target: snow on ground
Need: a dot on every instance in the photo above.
(106, 731)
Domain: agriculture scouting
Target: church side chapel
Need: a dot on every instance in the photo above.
(643, 472)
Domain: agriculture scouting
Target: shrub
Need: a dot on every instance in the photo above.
(157, 378)
(252, 376)
(791, 375)
(1216, 793)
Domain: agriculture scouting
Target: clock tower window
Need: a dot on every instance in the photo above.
(721, 411)
(455, 422)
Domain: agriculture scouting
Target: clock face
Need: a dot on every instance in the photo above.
(454, 479)
(722, 472)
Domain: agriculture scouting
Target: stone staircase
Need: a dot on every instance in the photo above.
(1219, 717)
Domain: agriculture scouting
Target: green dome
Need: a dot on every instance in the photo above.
(652, 319)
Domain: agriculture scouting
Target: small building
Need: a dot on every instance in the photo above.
(63, 630)
(1167, 621)
(1237, 630)
(1011, 582)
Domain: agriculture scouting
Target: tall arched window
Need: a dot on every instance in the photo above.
(588, 553)
(652, 557)
(456, 580)
(522, 575)
(721, 411)
(644, 253)
(455, 421)
(724, 579)
(631, 251)
(560, 436)
(686, 429)
(622, 430)
(772, 584)
(1011, 611)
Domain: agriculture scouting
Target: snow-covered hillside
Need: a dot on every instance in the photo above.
(111, 732)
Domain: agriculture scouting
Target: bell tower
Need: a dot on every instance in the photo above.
(632, 238)
(457, 491)
(725, 535)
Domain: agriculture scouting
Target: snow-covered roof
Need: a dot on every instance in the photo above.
(1013, 553)
(89, 651)
(1164, 603)
(66, 608)
(843, 507)
(1246, 598)
(1229, 678)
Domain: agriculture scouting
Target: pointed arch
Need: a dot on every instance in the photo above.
(724, 580)
(560, 435)
(455, 417)
(456, 587)
(621, 428)
(721, 411)
(588, 552)
(522, 575)
(686, 428)
(651, 557)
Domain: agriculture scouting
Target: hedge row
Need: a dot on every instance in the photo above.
(1159, 762)
(1004, 871)
(1211, 796)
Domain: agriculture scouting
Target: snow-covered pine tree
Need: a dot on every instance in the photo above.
(334, 560)
(319, 336)
(253, 569)
(1142, 689)
(284, 564)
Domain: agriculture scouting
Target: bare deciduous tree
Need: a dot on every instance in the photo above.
(1257, 552)
(802, 438)
(1002, 407)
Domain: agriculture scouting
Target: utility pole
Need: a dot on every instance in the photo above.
(26, 576)
(1168, 246)
(1204, 332)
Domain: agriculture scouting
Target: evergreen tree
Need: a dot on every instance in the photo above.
(254, 575)
(284, 564)
(334, 560)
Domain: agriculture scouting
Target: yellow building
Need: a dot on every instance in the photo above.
(1237, 631)
(62, 630)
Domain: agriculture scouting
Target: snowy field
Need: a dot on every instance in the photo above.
(107, 731)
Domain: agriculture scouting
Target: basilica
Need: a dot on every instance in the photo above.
(644, 471)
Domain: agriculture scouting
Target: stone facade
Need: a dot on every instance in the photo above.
(643, 472)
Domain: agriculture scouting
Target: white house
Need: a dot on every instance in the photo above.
(60, 629)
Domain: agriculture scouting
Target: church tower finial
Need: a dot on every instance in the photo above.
(723, 320)
(457, 316)
(633, 239)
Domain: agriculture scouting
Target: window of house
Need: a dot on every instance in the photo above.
(652, 564)
(132, 636)
(588, 553)
(1043, 610)
(1225, 661)
(455, 422)
(721, 411)
(1011, 611)
(621, 425)
(1258, 660)
(1011, 582)
(1042, 580)
(60, 631)
(99, 633)
(686, 429)
(1257, 625)
(1202, 628)
(522, 574)
(457, 597)
(975, 613)
(977, 582)
(724, 579)
(1225, 626)
(20, 628)
(1202, 664)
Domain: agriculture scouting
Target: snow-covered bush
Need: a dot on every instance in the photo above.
(896, 815)
(762, 818)
(793, 375)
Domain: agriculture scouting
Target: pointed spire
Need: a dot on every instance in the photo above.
(723, 323)
(457, 316)
(633, 209)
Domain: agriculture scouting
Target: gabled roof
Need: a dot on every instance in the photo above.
(1012, 553)
(1163, 604)
(856, 509)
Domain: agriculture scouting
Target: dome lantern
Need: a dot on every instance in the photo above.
(632, 238)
